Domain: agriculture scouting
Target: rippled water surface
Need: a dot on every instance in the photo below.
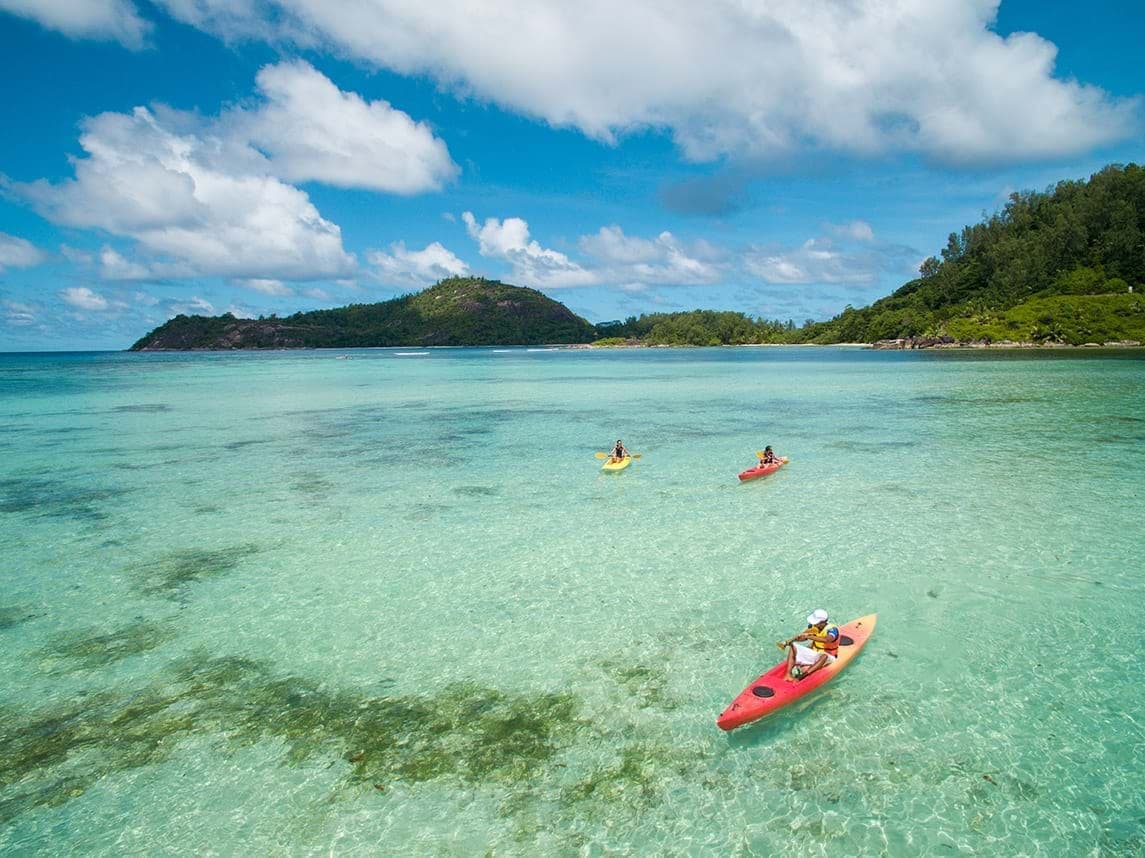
(382, 603)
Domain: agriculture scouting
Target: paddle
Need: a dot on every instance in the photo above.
(760, 453)
(609, 455)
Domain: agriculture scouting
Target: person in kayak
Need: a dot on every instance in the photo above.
(821, 641)
(768, 457)
(619, 452)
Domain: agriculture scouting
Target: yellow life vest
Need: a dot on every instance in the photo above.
(830, 647)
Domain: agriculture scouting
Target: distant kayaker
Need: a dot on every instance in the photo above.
(768, 457)
(821, 641)
(619, 452)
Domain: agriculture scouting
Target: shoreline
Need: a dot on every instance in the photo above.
(892, 345)
(881, 345)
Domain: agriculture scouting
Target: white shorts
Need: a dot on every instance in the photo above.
(806, 656)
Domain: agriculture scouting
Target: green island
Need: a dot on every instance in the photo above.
(1060, 267)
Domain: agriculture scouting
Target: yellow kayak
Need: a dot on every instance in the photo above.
(610, 465)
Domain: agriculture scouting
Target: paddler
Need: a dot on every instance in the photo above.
(768, 457)
(619, 452)
(821, 644)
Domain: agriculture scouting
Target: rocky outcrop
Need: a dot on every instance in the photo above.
(951, 343)
(914, 343)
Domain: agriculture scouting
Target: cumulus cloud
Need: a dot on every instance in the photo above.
(114, 266)
(265, 286)
(82, 298)
(817, 260)
(313, 131)
(212, 197)
(663, 260)
(416, 267)
(193, 306)
(858, 230)
(116, 20)
(532, 264)
(725, 77)
(17, 314)
(197, 204)
(16, 252)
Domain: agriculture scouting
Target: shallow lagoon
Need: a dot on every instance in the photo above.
(287, 602)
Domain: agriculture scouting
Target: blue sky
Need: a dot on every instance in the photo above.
(783, 159)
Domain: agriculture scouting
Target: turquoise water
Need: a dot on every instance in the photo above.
(289, 603)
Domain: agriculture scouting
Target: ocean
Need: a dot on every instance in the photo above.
(386, 602)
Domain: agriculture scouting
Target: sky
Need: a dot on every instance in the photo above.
(784, 159)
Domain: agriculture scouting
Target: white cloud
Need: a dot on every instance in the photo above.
(234, 20)
(18, 314)
(312, 131)
(74, 254)
(612, 245)
(18, 252)
(416, 267)
(857, 230)
(116, 20)
(199, 205)
(532, 264)
(209, 197)
(113, 266)
(817, 260)
(195, 306)
(316, 293)
(82, 298)
(664, 259)
(725, 77)
(266, 286)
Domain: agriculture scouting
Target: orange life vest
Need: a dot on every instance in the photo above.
(831, 647)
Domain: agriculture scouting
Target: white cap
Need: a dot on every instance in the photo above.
(816, 617)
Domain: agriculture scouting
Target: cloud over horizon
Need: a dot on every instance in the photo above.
(402, 267)
(532, 265)
(16, 252)
(312, 131)
(196, 205)
(112, 20)
(863, 78)
(213, 198)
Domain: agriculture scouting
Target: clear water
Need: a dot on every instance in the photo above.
(289, 603)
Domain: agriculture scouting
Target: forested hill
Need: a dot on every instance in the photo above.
(459, 311)
(1066, 265)
(1063, 266)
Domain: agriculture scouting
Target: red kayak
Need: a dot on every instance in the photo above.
(771, 691)
(761, 470)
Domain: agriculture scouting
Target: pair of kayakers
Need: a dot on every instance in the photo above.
(820, 646)
(767, 457)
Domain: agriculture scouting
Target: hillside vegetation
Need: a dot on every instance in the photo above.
(1066, 265)
(1063, 266)
(696, 328)
(459, 311)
